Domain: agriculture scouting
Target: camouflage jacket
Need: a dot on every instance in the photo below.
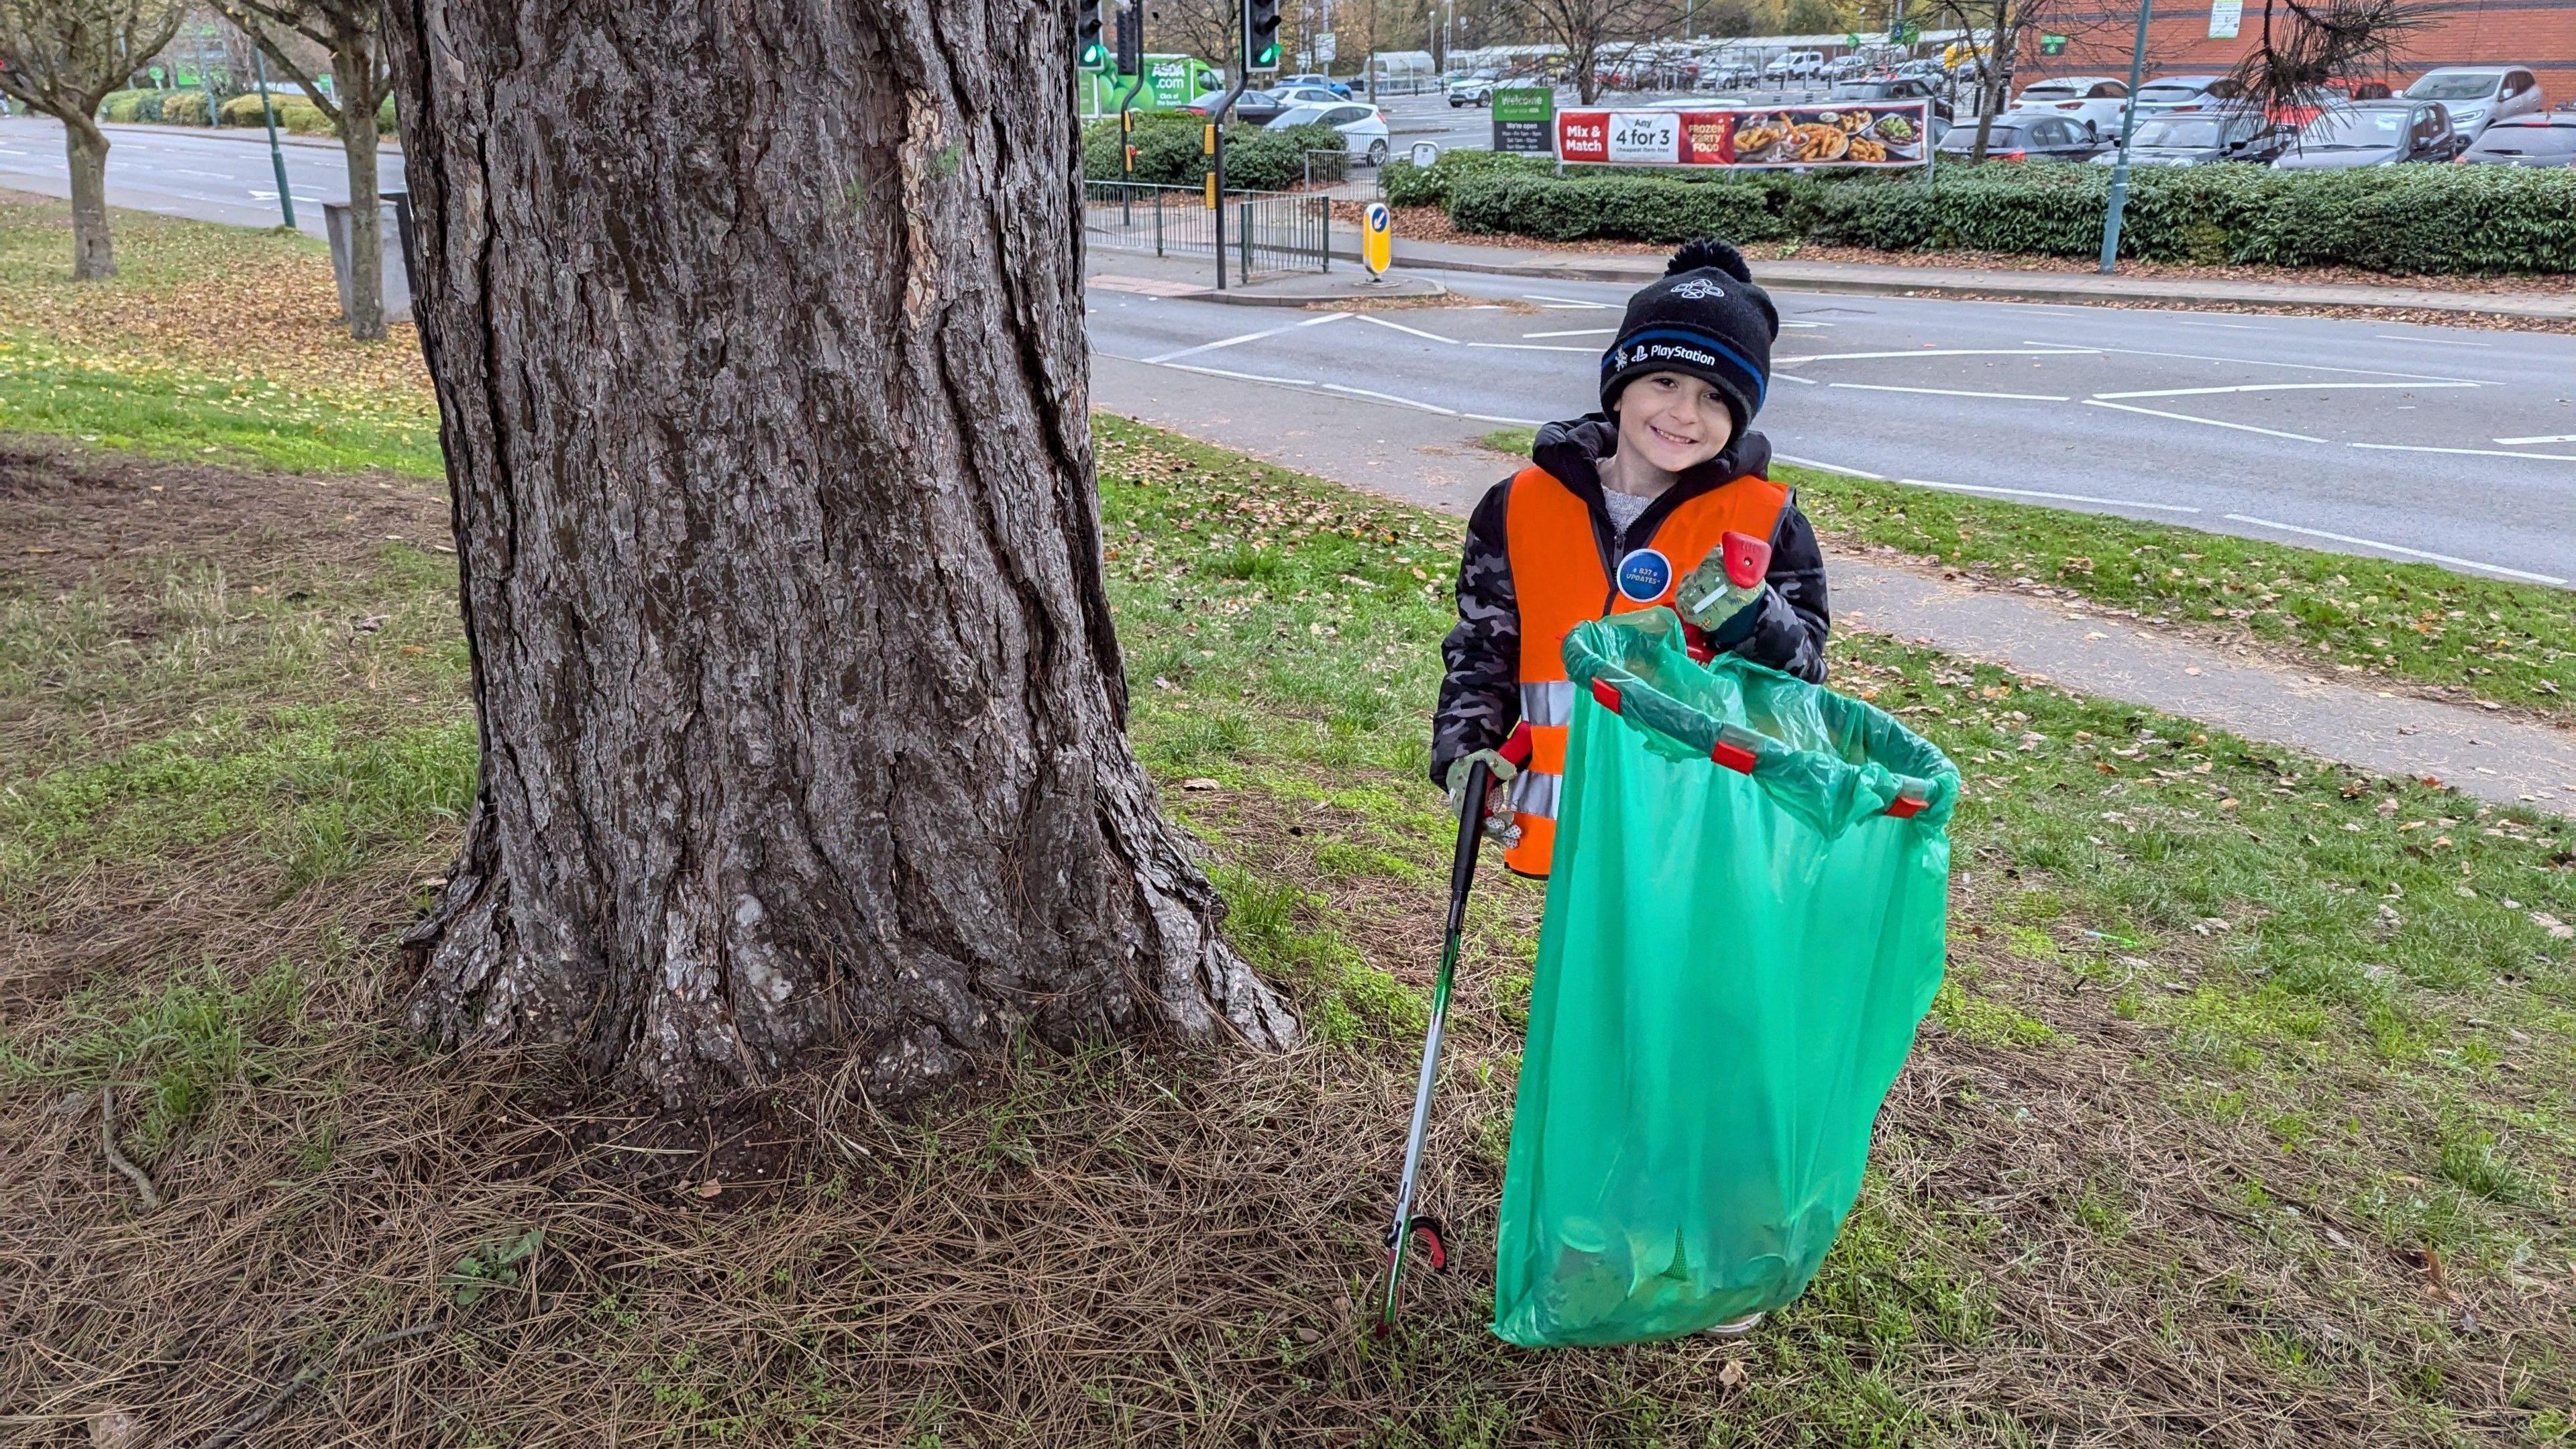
(1480, 694)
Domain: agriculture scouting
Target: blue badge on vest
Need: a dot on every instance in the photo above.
(1644, 575)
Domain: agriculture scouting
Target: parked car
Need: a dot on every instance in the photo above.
(2188, 93)
(2545, 139)
(2477, 95)
(1895, 88)
(2023, 136)
(1340, 90)
(2373, 133)
(2201, 140)
(2098, 100)
(1363, 128)
(1795, 65)
(1472, 90)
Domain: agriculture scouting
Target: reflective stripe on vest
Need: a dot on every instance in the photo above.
(1558, 582)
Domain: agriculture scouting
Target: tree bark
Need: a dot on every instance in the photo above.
(93, 251)
(802, 717)
(353, 81)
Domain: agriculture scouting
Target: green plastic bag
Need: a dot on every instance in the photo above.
(1730, 972)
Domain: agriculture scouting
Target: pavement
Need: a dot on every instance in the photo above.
(2436, 444)
(2004, 283)
(1434, 460)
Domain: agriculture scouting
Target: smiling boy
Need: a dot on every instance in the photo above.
(1618, 509)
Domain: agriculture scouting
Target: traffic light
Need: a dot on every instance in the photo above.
(1090, 18)
(1260, 35)
(1131, 40)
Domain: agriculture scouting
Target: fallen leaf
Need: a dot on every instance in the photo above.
(1733, 1375)
(1199, 782)
(710, 1188)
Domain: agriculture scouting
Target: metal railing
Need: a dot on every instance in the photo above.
(1266, 232)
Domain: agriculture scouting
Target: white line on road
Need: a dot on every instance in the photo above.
(2465, 563)
(1250, 337)
(1362, 392)
(2230, 326)
(2027, 350)
(2095, 402)
(1947, 391)
(1793, 377)
(2466, 452)
(2036, 493)
(1400, 327)
(1565, 302)
(2285, 387)
(2551, 438)
(1578, 332)
(1536, 347)
(2269, 362)
(1221, 372)
(1798, 462)
(2436, 341)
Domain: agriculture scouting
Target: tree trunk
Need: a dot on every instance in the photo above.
(93, 253)
(353, 84)
(802, 718)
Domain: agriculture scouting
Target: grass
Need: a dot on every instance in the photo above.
(2244, 1112)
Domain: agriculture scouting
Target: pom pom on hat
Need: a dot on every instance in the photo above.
(1708, 251)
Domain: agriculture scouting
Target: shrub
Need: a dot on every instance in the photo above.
(183, 108)
(1409, 185)
(2401, 219)
(1170, 152)
(294, 113)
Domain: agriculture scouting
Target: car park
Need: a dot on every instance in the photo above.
(1363, 128)
(2097, 100)
(2023, 136)
(2187, 93)
(2477, 95)
(2544, 139)
(1340, 90)
(2200, 140)
(2373, 133)
(1894, 88)
(1472, 90)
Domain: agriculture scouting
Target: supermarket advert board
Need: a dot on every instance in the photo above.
(1862, 134)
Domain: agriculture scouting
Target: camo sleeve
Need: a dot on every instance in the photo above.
(1480, 697)
(1786, 629)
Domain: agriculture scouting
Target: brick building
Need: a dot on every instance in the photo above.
(2539, 34)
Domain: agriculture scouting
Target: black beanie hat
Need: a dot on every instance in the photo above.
(1705, 318)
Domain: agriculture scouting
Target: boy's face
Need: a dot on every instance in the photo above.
(1673, 420)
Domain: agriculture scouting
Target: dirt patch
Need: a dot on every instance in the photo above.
(88, 518)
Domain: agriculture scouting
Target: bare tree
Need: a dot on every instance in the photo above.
(349, 31)
(1208, 29)
(802, 718)
(1591, 31)
(2306, 45)
(62, 57)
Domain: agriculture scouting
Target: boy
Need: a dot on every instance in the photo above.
(1619, 512)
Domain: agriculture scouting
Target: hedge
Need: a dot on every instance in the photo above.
(1410, 185)
(2398, 219)
(294, 113)
(1169, 152)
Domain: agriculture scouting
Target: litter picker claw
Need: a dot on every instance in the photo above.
(1406, 1226)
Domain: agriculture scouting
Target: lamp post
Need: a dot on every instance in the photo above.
(2120, 166)
(276, 156)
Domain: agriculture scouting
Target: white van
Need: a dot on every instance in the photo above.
(1796, 65)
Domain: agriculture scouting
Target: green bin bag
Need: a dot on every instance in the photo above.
(1730, 972)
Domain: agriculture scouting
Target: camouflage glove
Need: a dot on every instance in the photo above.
(1726, 583)
(1498, 810)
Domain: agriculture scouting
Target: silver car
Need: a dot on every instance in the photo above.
(2097, 100)
(2478, 95)
(2373, 133)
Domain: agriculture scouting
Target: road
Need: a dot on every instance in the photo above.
(185, 172)
(2447, 445)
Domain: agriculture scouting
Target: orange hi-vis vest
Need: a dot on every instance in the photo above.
(1558, 581)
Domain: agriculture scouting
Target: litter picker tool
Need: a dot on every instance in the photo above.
(1406, 1227)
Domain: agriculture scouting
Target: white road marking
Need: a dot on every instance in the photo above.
(1493, 418)
(2436, 341)
(1578, 332)
(1248, 337)
(1793, 377)
(1949, 391)
(1388, 397)
(2466, 452)
(2268, 362)
(1362, 392)
(1565, 302)
(2036, 493)
(2095, 402)
(1400, 327)
(1798, 462)
(2230, 326)
(2026, 350)
(2284, 387)
(2466, 563)
(1221, 372)
(1536, 347)
(1802, 326)
(2551, 438)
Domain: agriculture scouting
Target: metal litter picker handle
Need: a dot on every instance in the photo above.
(1401, 1232)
